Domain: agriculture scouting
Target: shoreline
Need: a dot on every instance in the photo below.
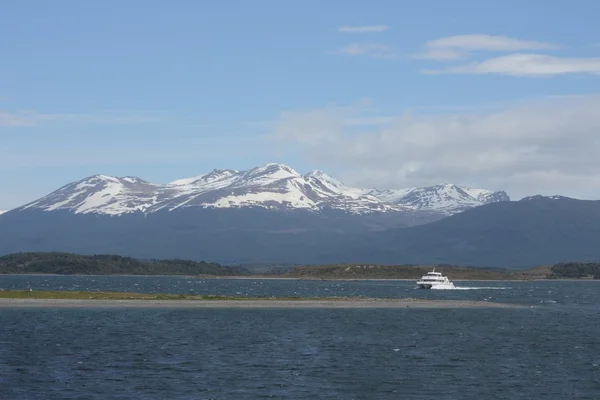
(6, 303)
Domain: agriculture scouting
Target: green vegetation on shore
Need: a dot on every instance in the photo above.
(106, 264)
(354, 271)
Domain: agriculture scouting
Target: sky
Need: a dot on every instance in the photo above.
(502, 95)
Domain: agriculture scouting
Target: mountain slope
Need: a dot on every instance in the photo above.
(100, 194)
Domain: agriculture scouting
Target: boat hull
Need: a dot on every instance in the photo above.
(428, 285)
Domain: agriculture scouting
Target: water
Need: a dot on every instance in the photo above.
(549, 351)
(581, 293)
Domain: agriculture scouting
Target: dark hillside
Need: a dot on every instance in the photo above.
(517, 234)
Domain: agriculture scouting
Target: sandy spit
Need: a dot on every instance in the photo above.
(366, 303)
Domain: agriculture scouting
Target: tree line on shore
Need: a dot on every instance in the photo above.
(576, 270)
(109, 264)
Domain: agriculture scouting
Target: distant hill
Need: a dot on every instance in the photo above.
(106, 264)
(517, 234)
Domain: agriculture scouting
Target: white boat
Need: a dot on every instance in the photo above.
(435, 280)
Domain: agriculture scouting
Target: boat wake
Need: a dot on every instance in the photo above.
(470, 288)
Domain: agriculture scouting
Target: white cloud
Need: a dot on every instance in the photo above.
(440, 54)
(376, 50)
(547, 147)
(368, 121)
(312, 127)
(460, 46)
(363, 28)
(526, 65)
(3, 211)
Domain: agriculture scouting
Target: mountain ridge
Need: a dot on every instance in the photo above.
(271, 186)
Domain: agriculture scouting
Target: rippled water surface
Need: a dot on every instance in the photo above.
(549, 350)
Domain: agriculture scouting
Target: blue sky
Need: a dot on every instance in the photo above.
(379, 93)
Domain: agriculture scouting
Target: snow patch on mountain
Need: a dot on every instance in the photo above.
(328, 184)
(391, 195)
(291, 196)
(273, 186)
(279, 186)
(268, 174)
(539, 197)
(217, 175)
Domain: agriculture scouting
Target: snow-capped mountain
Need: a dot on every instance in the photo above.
(101, 194)
(445, 198)
(271, 186)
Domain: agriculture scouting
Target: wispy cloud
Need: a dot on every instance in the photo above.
(518, 63)
(488, 42)
(363, 28)
(376, 50)
(31, 118)
(102, 151)
(526, 65)
(199, 126)
(460, 46)
(11, 119)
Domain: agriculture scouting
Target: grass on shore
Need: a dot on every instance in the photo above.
(73, 295)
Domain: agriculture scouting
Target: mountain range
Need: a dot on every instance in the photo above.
(273, 214)
(271, 186)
